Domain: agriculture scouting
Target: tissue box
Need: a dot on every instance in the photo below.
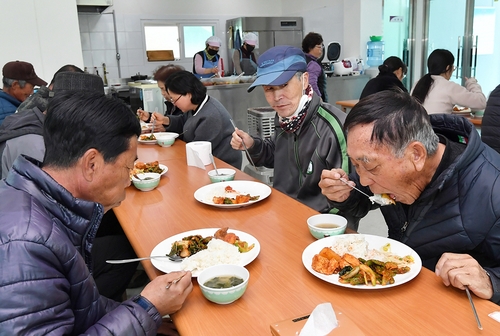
(294, 325)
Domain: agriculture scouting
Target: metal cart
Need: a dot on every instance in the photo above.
(261, 124)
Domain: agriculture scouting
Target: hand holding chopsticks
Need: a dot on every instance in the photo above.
(473, 308)
(244, 146)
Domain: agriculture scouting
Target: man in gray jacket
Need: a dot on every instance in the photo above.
(308, 133)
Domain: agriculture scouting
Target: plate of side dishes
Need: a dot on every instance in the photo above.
(375, 247)
(232, 191)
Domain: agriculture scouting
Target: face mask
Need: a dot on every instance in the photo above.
(303, 99)
(250, 48)
(212, 52)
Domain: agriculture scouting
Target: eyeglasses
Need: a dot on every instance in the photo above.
(173, 101)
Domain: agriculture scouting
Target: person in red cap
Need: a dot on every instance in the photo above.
(19, 80)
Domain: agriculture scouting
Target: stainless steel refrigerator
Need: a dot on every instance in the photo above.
(271, 31)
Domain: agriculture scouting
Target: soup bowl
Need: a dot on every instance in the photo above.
(326, 225)
(223, 295)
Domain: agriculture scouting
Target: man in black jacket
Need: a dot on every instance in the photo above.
(444, 183)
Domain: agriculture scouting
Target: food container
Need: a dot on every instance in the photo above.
(223, 295)
(326, 225)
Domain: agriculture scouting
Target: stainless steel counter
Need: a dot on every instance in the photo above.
(237, 100)
(345, 87)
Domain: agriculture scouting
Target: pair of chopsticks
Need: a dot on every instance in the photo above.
(473, 308)
(244, 146)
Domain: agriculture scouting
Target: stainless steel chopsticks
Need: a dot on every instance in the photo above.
(244, 146)
(473, 308)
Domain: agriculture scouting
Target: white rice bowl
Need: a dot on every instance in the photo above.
(218, 252)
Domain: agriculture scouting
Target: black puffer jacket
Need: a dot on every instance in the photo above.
(490, 129)
(458, 212)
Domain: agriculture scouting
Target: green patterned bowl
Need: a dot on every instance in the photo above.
(224, 295)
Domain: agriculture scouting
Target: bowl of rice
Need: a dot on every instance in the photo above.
(326, 225)
(223, 284)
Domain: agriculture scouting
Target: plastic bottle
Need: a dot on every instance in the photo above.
(374, 53)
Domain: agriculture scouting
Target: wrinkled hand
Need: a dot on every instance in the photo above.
(160, 120)
(461, 270)
(168, 301)
(331, 186)
(143, 115)
(236, 141)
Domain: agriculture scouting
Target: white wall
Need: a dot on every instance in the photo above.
(42, 32)
(97, 30)
(47, 33)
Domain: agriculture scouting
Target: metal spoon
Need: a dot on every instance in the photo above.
(347, 183)
(142, 179)
(215, 167)
(174, 258)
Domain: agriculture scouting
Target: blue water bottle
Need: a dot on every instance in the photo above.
(374, 53)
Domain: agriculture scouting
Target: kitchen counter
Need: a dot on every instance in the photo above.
(237, 100)
(345, 87)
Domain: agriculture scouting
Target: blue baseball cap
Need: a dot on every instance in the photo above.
(277, 66)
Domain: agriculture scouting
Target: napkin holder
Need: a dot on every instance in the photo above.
(294, 325)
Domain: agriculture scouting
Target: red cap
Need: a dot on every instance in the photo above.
(20, 70)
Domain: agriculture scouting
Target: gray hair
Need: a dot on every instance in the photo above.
(398, 119)
(7, 82)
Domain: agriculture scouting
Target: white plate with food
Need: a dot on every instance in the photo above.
(146, 126)
(393, 250)
(461, 110)
(149, 167)
(147, 139)
(232, 194)
(164, 248)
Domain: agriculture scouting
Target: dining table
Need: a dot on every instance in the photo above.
(280, 287)
(347, 105)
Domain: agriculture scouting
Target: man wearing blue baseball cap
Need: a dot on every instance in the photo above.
(308, 135)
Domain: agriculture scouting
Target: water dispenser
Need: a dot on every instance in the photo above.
(375, 51)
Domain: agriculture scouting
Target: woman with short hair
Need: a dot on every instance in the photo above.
(207, 119)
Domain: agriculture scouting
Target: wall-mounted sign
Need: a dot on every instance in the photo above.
(395, 18)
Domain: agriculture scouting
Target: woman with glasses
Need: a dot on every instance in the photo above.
(207, 63)
(390, 76)
(438, 94)
(312, 46)
(206, 118)
(174, 119)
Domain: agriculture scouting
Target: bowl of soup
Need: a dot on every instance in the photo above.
(223, 284)
(326, 225)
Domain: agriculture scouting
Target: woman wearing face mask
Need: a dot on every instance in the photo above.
(244, 58)
(207, 62)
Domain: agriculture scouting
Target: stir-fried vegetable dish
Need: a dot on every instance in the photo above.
(193, 244)
(358, 271)
(237, 199)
